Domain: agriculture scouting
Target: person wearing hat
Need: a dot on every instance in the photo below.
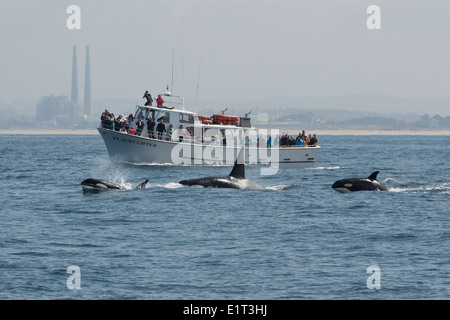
(159, 101)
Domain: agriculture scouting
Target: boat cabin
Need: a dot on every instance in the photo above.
(171, 114)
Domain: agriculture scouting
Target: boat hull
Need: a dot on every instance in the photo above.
(123, 147)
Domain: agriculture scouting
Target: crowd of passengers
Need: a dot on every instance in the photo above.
(302, 140)
(133, 126)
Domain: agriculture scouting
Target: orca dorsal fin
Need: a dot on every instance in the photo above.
(373, 176)
(142, 185)
(238, 171)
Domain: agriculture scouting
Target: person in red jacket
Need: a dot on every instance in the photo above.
(159, 101)
(132, 131)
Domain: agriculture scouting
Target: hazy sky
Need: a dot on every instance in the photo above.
(248, 49)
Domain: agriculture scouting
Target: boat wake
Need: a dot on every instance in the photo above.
(443, 188)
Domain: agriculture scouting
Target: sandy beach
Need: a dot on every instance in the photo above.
(319, 132)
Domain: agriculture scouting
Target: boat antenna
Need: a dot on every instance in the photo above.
(223, 111)
(171, 90)
(182, 64)
(198, 80)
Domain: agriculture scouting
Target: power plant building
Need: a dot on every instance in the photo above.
(59, 110)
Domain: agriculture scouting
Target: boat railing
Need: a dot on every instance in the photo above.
(197, 140)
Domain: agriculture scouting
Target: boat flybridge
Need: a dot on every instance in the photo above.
(192, 139)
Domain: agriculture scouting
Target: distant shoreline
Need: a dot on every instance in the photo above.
(372, 132)
(320, 132)
(47, 132)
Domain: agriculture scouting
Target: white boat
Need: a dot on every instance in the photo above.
(203, 140)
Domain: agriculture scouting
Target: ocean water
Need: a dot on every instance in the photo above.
(294, 239)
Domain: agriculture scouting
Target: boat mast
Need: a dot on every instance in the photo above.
(182, 65)
(171, 85)
(198, 80)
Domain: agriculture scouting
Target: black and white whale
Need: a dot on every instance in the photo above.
(236, 179)
(359, 184)
(99, 185)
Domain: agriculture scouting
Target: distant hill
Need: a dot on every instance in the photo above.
(345, 111)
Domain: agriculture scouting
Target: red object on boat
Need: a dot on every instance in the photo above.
(205, 119)
(225, 119)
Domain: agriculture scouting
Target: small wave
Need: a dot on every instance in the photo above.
(394, 181)
(324, 168)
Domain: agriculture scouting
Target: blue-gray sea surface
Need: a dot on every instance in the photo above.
(296, 238)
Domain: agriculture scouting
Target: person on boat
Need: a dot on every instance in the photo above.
(269, 142)
(103, 118)
(148, 96)
(299, 140)
(170, 132)
(182, 133)
(291, 141)
(246, 141)
(130, 120)
(132, 131)
(118, 124)
(151, 127)
(284, 140)
(224, 139)
(140, 126)
(261, 142)
(108, 123)
(159, 101)
(214, 140)
(305, 139)
(113, 120)
(314, 141)
(124, 129)
(161, 128)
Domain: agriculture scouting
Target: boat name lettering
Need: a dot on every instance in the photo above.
(142, 143)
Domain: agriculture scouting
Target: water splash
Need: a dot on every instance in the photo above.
(443, 188)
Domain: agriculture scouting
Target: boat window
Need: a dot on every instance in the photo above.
(141, 113)
(162, 115)
(186, 118)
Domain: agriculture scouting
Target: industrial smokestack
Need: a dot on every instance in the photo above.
(74, 93)
(87, 86)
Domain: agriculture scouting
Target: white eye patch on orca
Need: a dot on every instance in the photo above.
(348, 185)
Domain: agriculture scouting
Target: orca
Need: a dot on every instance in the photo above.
(92, 184)
(236, 179)
(359, 184)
